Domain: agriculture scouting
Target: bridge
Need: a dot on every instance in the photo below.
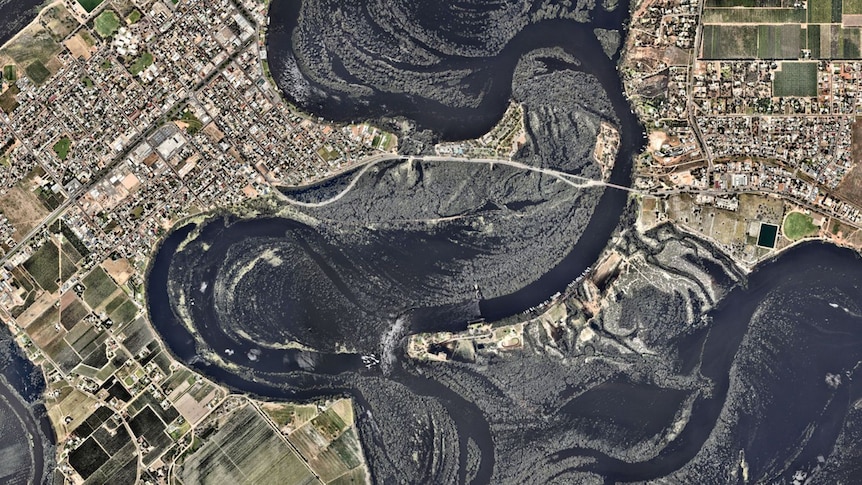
(568, 178)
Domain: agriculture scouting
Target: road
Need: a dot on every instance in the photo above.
(692, 109)
(571, 179)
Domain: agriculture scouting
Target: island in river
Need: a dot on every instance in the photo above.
(207, 270)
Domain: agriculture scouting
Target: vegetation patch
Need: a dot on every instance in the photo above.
(35, 43)
(843, 43)
(143, 61)
(88, 39)
(60, 227)
(8, 100)
(73, 314)
(779, 41)
(10, 73)
(342, 455)
(820, 11)
(754, 15)
(107, 23)
(62, 147)
(48, 268)
(115, 303)
(21, 280)
(243, 451)
(49, 198)
(99, 287)
(328, 153)
(37, 72)
(798, 225)
(88, 458)
(58, 21)
(192, 123)
(125, 313)
(813, 33)
(796, 79)
(729, 41)
(134, 17)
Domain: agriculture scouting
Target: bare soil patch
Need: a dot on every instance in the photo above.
(23, 209)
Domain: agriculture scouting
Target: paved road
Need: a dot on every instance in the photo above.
(573, 180)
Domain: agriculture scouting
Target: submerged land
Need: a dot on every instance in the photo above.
(125, 119)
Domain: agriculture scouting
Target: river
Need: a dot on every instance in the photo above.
(16, 15)
(23, 383)
(792, 323)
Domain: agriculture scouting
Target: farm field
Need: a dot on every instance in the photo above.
(823, 29)
(98, 287)
(246, 451)
(796, 79)
(729, 41)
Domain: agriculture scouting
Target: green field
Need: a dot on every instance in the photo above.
(125, 313)
(813, 33)
(37, 72)
(342, 455)
(62, 147)
(99, 286)
(73, 314)
(143, 61)
(851, 7)
(10, 73)
(796, 79)
(46, 268)
(245, 450)
(89, 5)
(820, 11)
(107, 23)
(134, 17)
(843, 43)
(729, 41)
(754, 15)
(798, 225)
(8, 101)
(87, 38)
(115, 303)
(779, 41)
(328, 153)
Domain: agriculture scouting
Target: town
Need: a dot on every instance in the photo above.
(120, 118)
(749, 101)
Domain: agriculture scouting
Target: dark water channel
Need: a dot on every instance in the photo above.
(22, 377)
(827, 268)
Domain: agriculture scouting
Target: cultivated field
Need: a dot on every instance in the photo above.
(823, 29)
(729, 41)
(99, 287)
(246, 451)
(49, 265)
(796, 79)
